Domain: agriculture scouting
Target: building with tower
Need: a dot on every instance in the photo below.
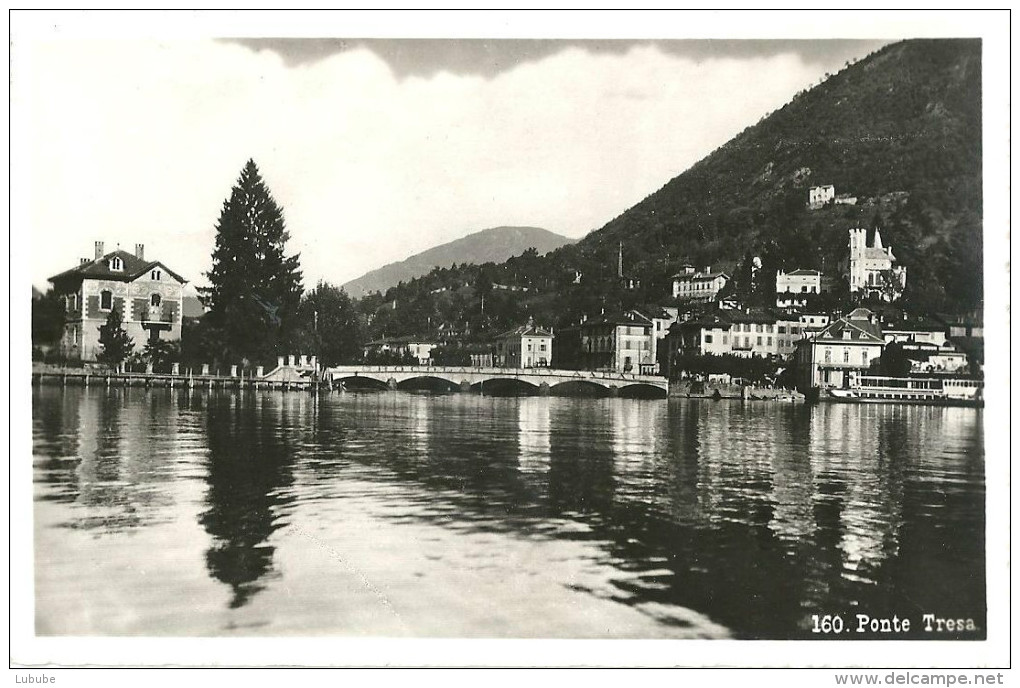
(872, 269)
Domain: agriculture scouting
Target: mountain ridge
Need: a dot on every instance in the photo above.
(494, 244)
(899, 129)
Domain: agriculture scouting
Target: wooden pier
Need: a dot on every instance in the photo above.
(89, 378)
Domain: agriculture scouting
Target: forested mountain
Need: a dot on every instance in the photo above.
(489, 245)
(899, 130)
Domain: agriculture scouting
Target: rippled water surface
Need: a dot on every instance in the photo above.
(164, 512)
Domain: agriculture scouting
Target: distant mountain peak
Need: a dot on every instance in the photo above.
(495, 245)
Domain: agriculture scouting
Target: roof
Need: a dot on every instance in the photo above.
(860, 330)
(873, 253)
(400, 340)
(656, 312)
(134, 267)
(617, 319)
(526, 331)
(803, 272)
(699, 276)
(708, 322)
(192, 307)
(752, 317)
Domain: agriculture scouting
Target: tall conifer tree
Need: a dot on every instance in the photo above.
(255, 288)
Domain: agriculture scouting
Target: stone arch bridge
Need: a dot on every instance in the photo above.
(466, 378)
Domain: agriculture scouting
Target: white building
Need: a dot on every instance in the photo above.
(794, 288)
(701, 286)
(847, 345)
(872, 268)
(820, 195)
(527, 346)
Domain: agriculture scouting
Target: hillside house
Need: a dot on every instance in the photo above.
(818, 196)
(794, 288)
(872, 267)
(703, 286)
(147, 294)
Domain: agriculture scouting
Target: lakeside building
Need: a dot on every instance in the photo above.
(744, 333)
(526, 346)
(695, 286)
(620, 342)
(147, 294)
(850, 344)
(418, 348)
(872, 267)
(481, 355)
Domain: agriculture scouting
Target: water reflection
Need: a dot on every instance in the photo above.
(686, 513)
(250, 463)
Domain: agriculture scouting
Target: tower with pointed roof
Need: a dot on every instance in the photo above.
(872, 269)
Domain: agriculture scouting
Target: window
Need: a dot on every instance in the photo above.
(116, 264)
(708, 339)
(155, 300)
(846, 355)
(769, 342)
(782, 329)
(724, 340)
(105, 300)
(542, 346)
(156, 275)
(864, 356)
(828, 355)
(759, 341)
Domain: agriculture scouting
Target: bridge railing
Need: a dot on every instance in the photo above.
(501, 372)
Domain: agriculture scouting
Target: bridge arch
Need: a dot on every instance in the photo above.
(428, 382)
(500, 385)
(581, 387)
(641, 390)
(353, 382)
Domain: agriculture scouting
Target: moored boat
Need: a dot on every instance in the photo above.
(909, 390)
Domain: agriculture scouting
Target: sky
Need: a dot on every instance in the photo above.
(376, 149)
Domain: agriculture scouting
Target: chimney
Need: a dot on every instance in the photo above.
(140, 251)
(99, 250)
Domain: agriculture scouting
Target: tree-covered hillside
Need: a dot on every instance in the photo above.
(900, 130)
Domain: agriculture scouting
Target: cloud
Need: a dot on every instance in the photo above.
(140, 141)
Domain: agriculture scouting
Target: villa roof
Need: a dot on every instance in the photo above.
(620, 319)
(699, 276)
(526, 331)
(134, 267)
(860, 330)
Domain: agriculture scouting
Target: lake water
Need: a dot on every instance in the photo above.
(169, 512)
